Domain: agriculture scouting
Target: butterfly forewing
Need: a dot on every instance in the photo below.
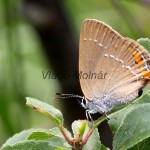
(95, 37)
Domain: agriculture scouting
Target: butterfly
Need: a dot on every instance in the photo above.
(113, 69)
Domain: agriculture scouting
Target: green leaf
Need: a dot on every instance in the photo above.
(56, 132)
(145, 42)
(134, 129)
(44, 134)
(38, 135)
(93, 142)
(19, 137)
(78, 128)
(52, 137)
(117, 118)
(53, 113)
(144, 145)
(58, 143)
(30, 145)
(82, 127)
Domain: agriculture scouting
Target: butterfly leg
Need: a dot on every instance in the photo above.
(88, 116)
(105, 114)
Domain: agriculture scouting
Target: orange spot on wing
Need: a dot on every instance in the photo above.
(138, 58)
(135, 54)
(146, 74)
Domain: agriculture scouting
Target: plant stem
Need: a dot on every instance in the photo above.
(96, 124)
(68, 139)
(78, 145)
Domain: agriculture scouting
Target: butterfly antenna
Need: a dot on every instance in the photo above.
(66, 96)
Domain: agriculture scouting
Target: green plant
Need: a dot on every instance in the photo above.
(130, 126)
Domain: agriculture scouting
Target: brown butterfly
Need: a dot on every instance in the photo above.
(112, 69)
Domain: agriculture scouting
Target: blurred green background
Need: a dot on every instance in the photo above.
(22, 59)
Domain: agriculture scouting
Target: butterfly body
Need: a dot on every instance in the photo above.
(106, 103)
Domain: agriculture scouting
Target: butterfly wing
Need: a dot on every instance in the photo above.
(120, 66)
